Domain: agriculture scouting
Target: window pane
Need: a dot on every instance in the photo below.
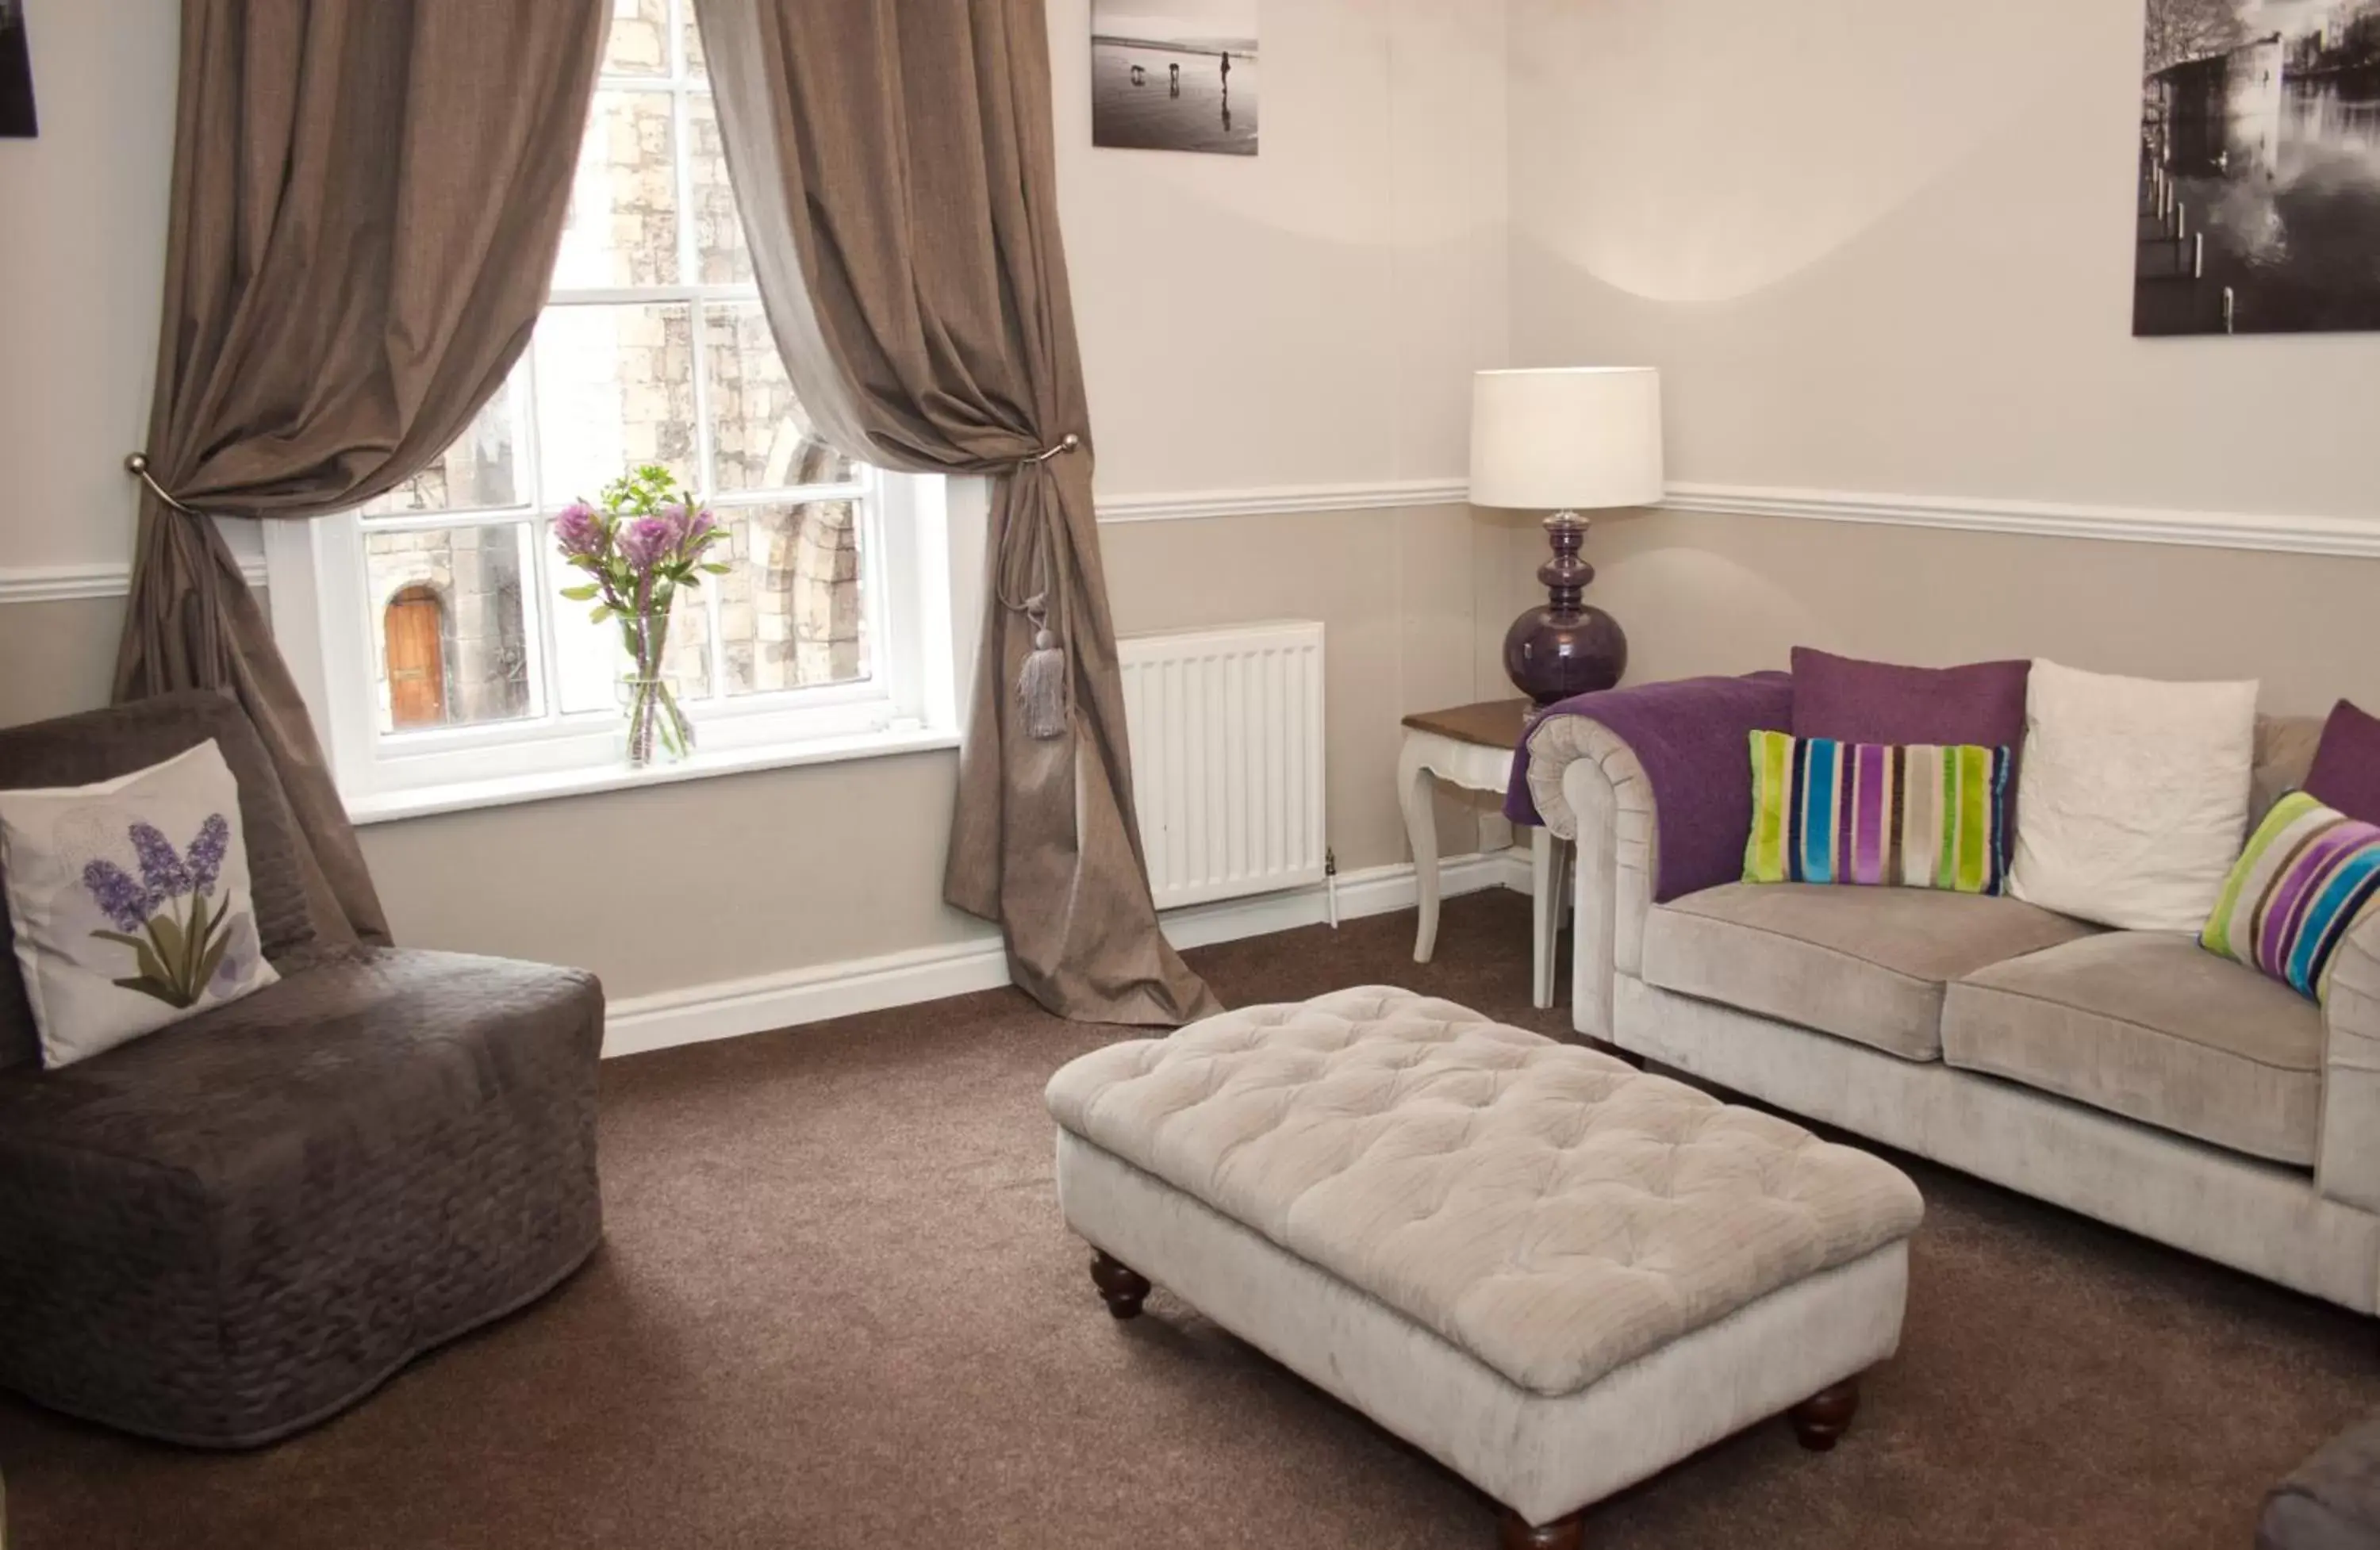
(760, 438)
(591, 658)
(615, 390)
(696, 66)
(721, 254)
(623, 225)
(479, 470)
(639, 42)
(790, 611)
(454, 636)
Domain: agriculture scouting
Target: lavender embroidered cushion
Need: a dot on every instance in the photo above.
(2309, 876)
(130, 903)
(1881, 815)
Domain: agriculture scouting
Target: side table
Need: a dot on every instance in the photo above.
(1472, 746)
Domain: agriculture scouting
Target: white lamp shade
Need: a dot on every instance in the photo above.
(1566, 438)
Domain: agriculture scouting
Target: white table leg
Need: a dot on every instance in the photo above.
(1548, 869)
(1414, 795)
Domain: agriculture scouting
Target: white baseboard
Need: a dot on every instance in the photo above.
(733, 1007)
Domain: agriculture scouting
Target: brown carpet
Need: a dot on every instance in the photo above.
(836, 1309)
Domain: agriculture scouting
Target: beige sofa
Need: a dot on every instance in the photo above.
(2130, 1076)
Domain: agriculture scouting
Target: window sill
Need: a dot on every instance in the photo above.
(430, 801)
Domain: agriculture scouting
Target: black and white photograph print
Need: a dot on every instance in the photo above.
(2259, 191)
(16, 73)
(1174, 74)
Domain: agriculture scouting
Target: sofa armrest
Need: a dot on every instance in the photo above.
(1607, 801)
(2347, 1165)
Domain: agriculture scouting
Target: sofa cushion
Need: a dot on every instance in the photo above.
(2150, 1026)
(1864, 963)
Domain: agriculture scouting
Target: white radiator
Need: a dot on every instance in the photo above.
(1226, 729)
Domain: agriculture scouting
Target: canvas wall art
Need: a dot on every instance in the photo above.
(1174, 74)
(16, 73)
(2259, 191)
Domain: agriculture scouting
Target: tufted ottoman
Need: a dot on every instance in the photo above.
(1555, 1274)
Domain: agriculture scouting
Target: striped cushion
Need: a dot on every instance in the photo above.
(1916, 815)
(2309, 875)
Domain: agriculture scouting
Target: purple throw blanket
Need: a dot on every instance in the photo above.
(1692, 738)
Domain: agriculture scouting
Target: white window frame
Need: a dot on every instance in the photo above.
(330, 625)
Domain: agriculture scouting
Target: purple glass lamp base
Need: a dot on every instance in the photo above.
(1565, 647)
(1552, 654)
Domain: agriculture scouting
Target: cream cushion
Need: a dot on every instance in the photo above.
(2156, 1028)
(2132, 801)
(1552, 1211)
(1864, 963)
(130, 903)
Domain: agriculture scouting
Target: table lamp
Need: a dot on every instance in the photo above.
(1566, 438)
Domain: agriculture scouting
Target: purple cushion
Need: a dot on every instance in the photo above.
(1852, 702)
(2346, 773)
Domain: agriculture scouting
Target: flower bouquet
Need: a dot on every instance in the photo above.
(645, 541)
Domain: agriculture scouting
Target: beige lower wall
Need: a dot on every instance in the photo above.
(757, 874)
(1702, 593)
(778, 870)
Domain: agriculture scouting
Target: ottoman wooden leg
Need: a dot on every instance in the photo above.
(1822, 1419)
(1562, 1534)
(1124, 1288)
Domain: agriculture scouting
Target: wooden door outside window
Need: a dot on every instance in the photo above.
(414, 631)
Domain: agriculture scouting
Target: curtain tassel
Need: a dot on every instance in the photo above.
(1041, 684)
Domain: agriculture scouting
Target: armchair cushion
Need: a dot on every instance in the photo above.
(1862, 964)
(229, 1229)
(295, 911)
(2145, 1024)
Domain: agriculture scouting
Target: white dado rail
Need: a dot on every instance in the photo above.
(2350, 536)
(2355, 537)
(66, 584)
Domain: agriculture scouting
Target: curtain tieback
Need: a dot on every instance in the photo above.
(1041, 688)
(137, 465)
(1068, 444)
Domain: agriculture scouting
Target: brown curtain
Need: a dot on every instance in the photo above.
(367, 198)
(896, 168)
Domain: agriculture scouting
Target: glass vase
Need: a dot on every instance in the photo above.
(657, 730)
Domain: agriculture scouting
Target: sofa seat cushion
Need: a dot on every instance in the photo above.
(2150, 1026)
(1862, 964)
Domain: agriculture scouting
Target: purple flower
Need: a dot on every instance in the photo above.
(698, 526)
(579, 531)
(118, 897)
(648, 542)
(206, 854)
(161, 864)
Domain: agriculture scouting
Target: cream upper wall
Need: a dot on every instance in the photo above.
(1886, 245)
(82, 268)
(1310, 315)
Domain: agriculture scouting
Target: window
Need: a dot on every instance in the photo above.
(470, 677)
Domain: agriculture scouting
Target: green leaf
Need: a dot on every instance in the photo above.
(601, 612)
(716, 567)
(152, 968)
(167, 932)
(156, 988)
(586, 594)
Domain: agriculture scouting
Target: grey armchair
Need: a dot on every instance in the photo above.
(240, 1224)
